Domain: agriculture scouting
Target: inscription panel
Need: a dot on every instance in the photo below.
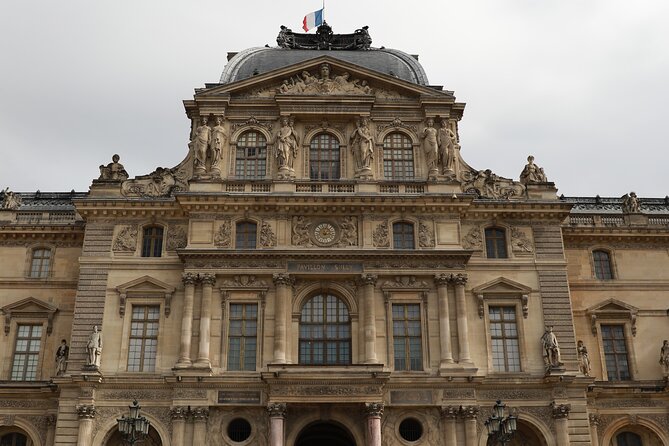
(325, 267)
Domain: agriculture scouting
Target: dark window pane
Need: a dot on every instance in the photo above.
(615, 352)
(407, 339)
(246, 235)
(251, 156)
(504, 339)
(325, 332)
(242, 337)
(152, 241)
(403, 236)
(602, 265)
(398, 157)
(495, 243)
(324, 157)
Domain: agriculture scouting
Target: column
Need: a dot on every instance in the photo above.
(284, 295)
(594, 435)
(178, 415)
(277, 420)
(200, 415)
(459, 280)
(86, 413)
(208, 281)
(469, 413)
(367, 283)
(449, 415)
(561, 416)
(50, 429)
(187, 321)
(374, 412)
(446, 350)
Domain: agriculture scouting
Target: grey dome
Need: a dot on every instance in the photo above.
(261, 60)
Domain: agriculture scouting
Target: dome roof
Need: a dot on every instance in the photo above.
(255, 61)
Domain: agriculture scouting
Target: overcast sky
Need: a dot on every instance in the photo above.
(583, 85)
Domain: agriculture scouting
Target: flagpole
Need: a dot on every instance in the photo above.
(324, 10)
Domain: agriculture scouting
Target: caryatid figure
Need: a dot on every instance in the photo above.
(199, 145)
(430, 147)
(218, 139)
(286, 145)
(362, 145)
(447, 148)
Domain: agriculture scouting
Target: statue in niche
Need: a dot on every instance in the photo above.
(286, 147)
(664, 358)
(551, 348)
(218, 139)
(631, 203)
(10, 200)
(62, 354)
(430, 148)
(199, 145)
(113, 171)
(94, 348)
(448, 147)
(362, 146)
(583, 358)
(532, 174)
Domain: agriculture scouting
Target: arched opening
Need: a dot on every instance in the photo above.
(325, 434)
(526, 435)
(635, 435)
(14, 439)
(153, 439)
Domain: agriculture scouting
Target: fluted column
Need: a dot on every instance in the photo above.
(367, 282)
(449, 414)
(459, 281)
(277, 420)
(561, 416)
(373, 411)
(86, 413)
(200, 416)
(178, 415)
(594, 435)
(446, 350)
(208, 281)
(469, 413)
(284, 295)
(187, 320)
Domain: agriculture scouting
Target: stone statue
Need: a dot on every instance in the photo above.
(447, 142)
(431, 147)
(62, 354)
(94, 348)
(199, 146)
(664, 357)
(532, 173)
(218, 139)
(631, 203)
(286, 147)
(10, 200)
(362, 146)
(113, 171)
(583, 358)
(551, 348)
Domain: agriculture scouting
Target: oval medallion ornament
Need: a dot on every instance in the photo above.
(325, 233)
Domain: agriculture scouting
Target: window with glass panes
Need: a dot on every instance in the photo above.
(242, 336)
(602, 265)
(504, 339)
(407, 339)
(615, 352)
(325, 331)
(40, 263)
(143, 345)
(13, 439)
(26, 352)
(152, 241)
(628, 439)
(324, 157)
(245, 235)
(397, 157)
(251, 158)
(495, 243)
(403, 236)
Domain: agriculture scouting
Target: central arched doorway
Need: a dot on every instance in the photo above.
(324, 434)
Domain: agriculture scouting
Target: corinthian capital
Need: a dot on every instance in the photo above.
(208, 279)
(179, 413)
(277, 409)
(189, 278)
(283, 279)
(459, 279)
(374, 409)
(86, 411)
(561, 410)
(442, 279)
(368, 279)
(469, 411)
(200, 413)
(449, 411)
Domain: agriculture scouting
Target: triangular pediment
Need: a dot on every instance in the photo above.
(502, 285)
(613, 306)
(145, 284)
(29, 305)
(304, 79)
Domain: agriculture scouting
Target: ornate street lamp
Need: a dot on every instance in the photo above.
(133, 428)
(501, 429)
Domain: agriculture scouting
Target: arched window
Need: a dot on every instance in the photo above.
(324, 157)
(325, 331)
(628, 439)
(495, 243)
(602, 261)
(40, 263)
(245, 237)
(403, 236)
(397, 157)
(251, 158)
(14, 439)
(152, 241)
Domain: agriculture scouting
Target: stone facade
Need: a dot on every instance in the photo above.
(293, 219)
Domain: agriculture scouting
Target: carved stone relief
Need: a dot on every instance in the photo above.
(10, 200)
(473, 239)
(405, 282)
(223, 236)
(177, 237)
(243, 281)
(308, 232)
(162, 182)
(126, 239)
(267, 236)
(520, 242)
(486, 184)
(425, 235)
(322, 83)
(252, 121)
(381, 235)
(396, 124)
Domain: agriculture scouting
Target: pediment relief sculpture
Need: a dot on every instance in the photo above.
(251, 122)
(162, 182)
(395, 124)
(486, 184)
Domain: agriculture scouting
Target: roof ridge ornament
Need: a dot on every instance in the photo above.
(324, 39)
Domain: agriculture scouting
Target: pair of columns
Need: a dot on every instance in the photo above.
(468, 414)
(207, 282)
(277, 425)
(457, 282)
(180, 415)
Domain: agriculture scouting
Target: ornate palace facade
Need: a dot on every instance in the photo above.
(324, 267)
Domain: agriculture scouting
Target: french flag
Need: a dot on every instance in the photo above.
(312, 20)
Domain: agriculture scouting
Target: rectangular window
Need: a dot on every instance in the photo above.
(152, 243)
(143, 345)
(407, 339)
(242, 337)
(504, 339)
(40, 262)
(615, 352)
(26, 352)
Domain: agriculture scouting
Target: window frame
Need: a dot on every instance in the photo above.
(394, 162)
(335, 169)
(242, 290)
(594, 264)
(242, 357)
(498, 300)
(239, 144)
(142, 300)
(502, 241)
(603, 353)
(407, 348)
(406, 224)
(39, 354)
(246, 245)
(154, 239)
(337, 340)
(30, 258)
(505, 352)
(142, 366)
(397, 295)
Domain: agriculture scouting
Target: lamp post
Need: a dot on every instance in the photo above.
(501, 429)
(133, 428)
